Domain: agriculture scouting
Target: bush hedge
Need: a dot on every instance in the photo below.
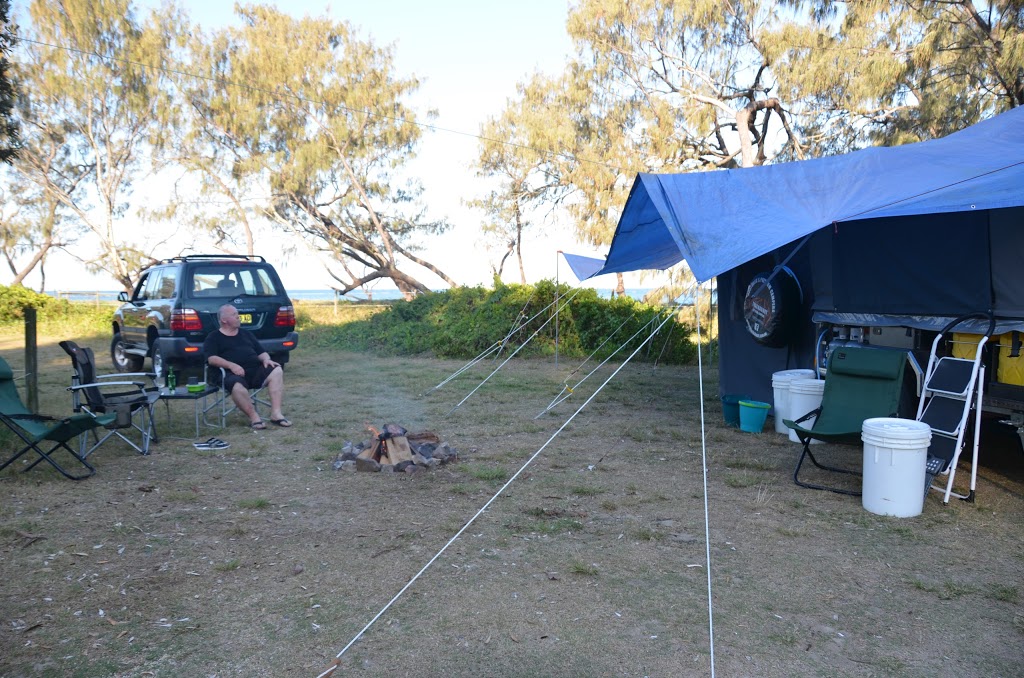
(52, 315)
(464, 322)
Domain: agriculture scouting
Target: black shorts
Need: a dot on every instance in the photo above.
(253, 378)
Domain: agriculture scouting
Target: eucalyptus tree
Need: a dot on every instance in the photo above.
(306, 109)
(93, 87)
(695, 85)
(882, 72)
(31, 220)
(8, 125)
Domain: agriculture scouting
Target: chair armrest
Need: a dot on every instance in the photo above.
(812, 413)
(121, 375)
(138, 384)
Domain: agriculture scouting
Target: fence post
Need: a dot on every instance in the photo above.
(31, 361)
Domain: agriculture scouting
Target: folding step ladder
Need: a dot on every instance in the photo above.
(952, 388)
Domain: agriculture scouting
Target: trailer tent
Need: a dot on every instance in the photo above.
(899, 237)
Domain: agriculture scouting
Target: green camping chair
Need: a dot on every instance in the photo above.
(36, 430)
(862, 383)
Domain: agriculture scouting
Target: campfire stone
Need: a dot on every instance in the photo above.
(367, 465)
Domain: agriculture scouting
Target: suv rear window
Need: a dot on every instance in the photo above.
(230, 281)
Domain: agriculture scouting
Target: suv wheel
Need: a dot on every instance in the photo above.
(124, 361)
(159, 365)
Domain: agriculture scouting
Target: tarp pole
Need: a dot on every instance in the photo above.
(558, 254)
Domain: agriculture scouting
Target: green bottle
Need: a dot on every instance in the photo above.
(172, 381)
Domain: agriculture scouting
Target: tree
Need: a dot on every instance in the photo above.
(91, 89)
(691, 85)
(30, 223)
(8, 95)
(322, 126)
(883, 73)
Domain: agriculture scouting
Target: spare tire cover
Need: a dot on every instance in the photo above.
(771, 308)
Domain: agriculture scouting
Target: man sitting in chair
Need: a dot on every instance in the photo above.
(246, 366)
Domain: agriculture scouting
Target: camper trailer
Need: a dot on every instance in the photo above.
(894, 282)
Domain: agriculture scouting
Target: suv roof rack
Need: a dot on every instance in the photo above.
(194, 257)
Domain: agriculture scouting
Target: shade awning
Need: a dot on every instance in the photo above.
(717, 220)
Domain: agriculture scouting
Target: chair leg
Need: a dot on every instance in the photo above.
(45, 456)
(807, 454)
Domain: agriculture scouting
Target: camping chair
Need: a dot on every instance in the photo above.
(223, 405)
(862, 383)
(35, 429)
(90, 393)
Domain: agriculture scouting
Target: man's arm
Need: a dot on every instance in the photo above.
(265, 360)
(233, 368)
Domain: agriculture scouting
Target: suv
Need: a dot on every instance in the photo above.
(175, 305)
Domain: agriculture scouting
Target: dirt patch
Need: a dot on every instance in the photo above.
(263, 560)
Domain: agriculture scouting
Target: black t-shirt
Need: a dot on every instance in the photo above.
(243, 348)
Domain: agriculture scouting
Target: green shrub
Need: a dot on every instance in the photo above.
(464, 322)
(58, 316)
(15, 298)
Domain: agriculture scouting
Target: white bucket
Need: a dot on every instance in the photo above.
(780, 384)
(895, 453)
(804, 396)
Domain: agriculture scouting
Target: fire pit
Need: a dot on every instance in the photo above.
(394, 449)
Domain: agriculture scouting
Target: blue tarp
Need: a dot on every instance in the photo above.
(583, 267)
(720, 219)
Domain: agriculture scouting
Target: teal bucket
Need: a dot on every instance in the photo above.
(731, 409)
(753, 414)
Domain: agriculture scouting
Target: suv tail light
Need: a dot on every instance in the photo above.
(285, 317)
(185, 320)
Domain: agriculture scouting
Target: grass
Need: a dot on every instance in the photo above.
(254, 503)
(182, 496)
(742, 480)
(586, 491)
(1003, 592)
(581, 568)
(647, 534)
(490, 474)
(277, 560)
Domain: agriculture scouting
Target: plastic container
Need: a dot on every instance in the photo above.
(753, 414)
(895, 453)
(804, 396)
(780, 384)
(731, 409)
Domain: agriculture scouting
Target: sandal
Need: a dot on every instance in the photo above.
(258, 425)
(282, 422)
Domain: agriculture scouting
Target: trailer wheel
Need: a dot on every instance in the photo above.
(771, 308)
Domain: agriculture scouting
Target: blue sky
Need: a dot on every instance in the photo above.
(469, 56)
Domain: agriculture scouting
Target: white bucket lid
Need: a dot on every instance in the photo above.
(807, 386)
(892, 432)
(785, 376)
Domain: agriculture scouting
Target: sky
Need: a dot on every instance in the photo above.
(469, 55)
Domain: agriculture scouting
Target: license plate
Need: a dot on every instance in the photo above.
(245, 318)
